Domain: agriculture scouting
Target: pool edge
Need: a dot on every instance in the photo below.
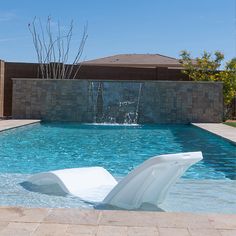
(40, 221)
(219, 129)
(12, 124)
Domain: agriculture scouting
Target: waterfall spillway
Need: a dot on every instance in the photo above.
(99, 104)
(115, 106)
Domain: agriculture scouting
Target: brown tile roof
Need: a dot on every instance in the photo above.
(140, 60)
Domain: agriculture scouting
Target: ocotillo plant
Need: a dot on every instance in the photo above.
(53, 49)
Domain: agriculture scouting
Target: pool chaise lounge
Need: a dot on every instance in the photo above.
(147, 184)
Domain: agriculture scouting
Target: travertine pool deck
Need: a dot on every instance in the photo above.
(15, 221)
(224, 131)
(11, 124)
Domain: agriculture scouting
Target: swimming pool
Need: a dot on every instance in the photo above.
(51, 146)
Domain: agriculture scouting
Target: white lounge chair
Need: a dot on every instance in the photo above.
(146, 184)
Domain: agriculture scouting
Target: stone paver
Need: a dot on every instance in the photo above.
(219, 129)
(3, 225)
(85, 230)
(129, 218)
(11, 124)
(112, 230)
(17, 221)
(228, 232)
(204, 232)
(51, 230)
(18, 214)
(184, 220)
(173, 232)
(219, 222)
(73, 216)
(142, 231)
(19, 229)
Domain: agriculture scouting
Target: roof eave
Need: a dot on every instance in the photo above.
(131, 65)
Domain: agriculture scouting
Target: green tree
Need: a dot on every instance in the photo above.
(207, 68)
(204, 68)
(228, 77)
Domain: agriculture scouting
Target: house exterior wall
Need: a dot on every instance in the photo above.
(117, 101)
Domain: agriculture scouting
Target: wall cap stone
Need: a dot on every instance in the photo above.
(138, 81)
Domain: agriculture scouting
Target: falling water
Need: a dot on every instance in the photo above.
(99, 116)
(91, 101)
(138, 102)
(111, 108)
(132, 117)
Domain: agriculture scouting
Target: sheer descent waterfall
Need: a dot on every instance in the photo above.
(117, 106)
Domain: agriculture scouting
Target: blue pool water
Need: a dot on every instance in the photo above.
(51, 146)
(208, 186)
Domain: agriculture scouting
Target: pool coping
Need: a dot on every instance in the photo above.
(13, 123)
(72, 221)
(219, 129)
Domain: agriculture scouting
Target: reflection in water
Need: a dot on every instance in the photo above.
(219, 154)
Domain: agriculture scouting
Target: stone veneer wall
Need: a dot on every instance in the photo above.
(117, 101)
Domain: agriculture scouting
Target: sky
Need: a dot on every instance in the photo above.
(123, 26)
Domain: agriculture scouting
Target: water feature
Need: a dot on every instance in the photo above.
(115, 107)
